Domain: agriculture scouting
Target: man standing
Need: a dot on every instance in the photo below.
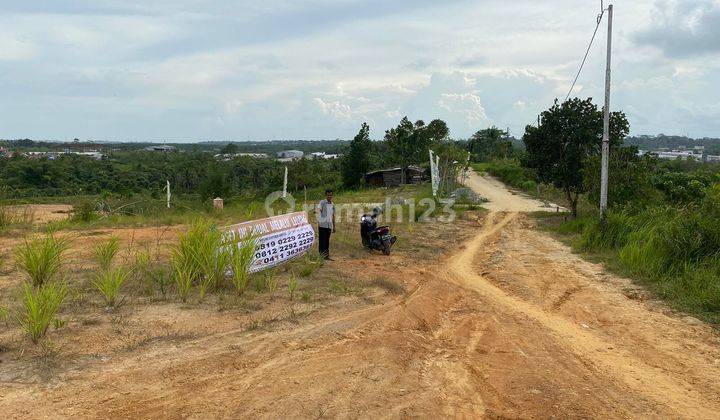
(326, 223)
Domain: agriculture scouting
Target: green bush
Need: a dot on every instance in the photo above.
(40, 305)
(109, 282)
(41, 258)
(105, 252)
(510, 172)
(200, 256)
(529, 185)
(84, 211)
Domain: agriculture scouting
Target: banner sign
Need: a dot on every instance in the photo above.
(279, 238)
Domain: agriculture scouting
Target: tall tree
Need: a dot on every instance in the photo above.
(489, 143)
(408, 143)
(438, 131)
(356, 161)
(568, 134)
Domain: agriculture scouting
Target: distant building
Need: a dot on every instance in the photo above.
(393, 177)
(230, 156)
(712, 158)
(679, 154)
(35, 155)
(323, 155)
(161, 148)
(290, 154)
(94, 155)
(52, 155)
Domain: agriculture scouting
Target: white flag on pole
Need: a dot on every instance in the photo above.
(285, 184)
(434, 174)
(167, 187)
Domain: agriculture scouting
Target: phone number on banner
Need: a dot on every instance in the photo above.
(282, 246)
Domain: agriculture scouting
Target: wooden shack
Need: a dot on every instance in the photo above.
(392, 177)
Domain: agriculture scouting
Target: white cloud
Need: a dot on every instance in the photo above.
(335, 109)
(188, 70)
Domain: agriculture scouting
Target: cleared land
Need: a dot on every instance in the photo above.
(482, 318)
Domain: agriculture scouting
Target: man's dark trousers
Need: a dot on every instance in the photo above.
(324, 241)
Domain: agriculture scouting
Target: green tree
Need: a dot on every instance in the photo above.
(356, 161)
(568, 134)
(215, 185)
(437, 131)
(229, 149)
(452, 161)
(408, 143)
(488, 144)
(630, 177)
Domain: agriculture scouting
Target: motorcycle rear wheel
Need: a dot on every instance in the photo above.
(386, 247)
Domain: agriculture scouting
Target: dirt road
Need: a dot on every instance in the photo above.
(501, 199)
(511, 324)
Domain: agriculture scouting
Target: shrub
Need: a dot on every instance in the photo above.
(510, 172)
(109, 282)
(41, 258)
(84, 211)
(529, 185)
(40, 306)
(201, 255)
(241, 256)
(105, 252)
(184, 275)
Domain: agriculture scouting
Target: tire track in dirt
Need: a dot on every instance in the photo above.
(453, 345)
(674, 393)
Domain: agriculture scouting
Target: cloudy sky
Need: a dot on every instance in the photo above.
(190, 70)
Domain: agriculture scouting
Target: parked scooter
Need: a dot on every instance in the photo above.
(374, 237)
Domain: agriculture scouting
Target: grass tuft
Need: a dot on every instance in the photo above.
(311, 262)
(292, 286)
(241, 257)
(105, 252)
(201, 257)
(109, 282)
(41, 258)
(39, 308)
(271, 281)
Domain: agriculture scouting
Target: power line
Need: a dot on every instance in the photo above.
(599, 19)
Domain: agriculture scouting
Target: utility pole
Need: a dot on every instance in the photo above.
(606, 123)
